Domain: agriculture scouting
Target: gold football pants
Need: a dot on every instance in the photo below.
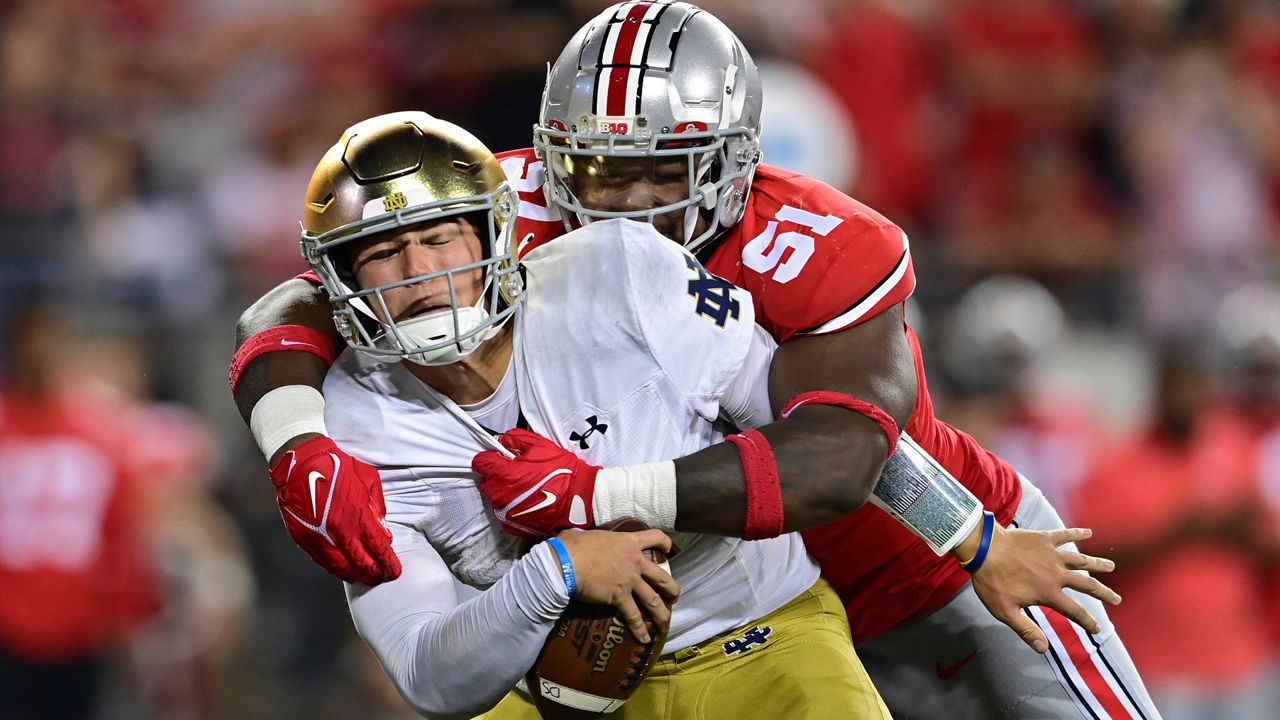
(796, 662)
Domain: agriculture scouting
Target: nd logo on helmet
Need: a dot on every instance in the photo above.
(395, 201)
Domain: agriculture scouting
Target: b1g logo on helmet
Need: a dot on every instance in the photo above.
(614, 126)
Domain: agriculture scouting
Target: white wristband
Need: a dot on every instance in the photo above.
(285, 413)
(646, 492)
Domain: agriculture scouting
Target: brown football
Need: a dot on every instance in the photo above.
(590, 663)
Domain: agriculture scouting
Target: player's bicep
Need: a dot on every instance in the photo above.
(292, 302)
(871, 361)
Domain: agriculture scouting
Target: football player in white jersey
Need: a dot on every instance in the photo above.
(409, 223)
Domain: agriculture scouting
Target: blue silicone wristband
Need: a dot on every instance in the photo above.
(566, 565)
(984, 545)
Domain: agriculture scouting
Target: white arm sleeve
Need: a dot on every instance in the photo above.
(745, 402)
(450, 659)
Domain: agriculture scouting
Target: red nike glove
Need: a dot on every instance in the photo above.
(332, 507)
(542, 490)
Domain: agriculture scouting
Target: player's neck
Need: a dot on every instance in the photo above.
(474, 377)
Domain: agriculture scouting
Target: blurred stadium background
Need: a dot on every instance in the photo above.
(1090, 187)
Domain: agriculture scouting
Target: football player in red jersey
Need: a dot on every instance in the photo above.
(79, 581)
(652, 112)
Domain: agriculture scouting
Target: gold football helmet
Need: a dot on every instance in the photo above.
(401, 169)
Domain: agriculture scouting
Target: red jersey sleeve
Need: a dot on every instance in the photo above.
(311, 277)
(814, 259)
(537, 224)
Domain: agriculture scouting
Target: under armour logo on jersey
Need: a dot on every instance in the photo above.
(751, 638)
(594, 427)
(712, 295)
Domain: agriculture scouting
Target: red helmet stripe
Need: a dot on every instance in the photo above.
(625, 66)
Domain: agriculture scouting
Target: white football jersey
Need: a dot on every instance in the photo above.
(623, 350)
(422, 444)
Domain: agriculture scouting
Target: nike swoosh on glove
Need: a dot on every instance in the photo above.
(542, 490)
(333, 508)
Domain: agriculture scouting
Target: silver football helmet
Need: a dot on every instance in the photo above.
(1247, 346)
(658, 82)
(397, 170)
(999, 330)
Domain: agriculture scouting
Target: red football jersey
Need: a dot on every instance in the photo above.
(817, 261)
(537, 223)
(76, 572)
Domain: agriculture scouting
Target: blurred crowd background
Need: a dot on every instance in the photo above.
(1091, 189)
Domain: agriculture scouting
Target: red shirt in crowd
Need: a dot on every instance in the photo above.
(1193, 598)
(74, 569)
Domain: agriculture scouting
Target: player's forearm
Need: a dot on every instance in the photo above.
(276, 370)
(917, 491)
(912, 487)
(456, 661)
(828, 460)
(294, 302)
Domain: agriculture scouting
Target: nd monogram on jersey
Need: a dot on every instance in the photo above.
(626, 364)
(816, 261)
(637, 354)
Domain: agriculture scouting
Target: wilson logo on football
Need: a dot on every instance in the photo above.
(591, 662)
(611, 638)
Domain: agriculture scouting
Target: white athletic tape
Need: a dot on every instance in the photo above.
(284, 414)
(646, 492)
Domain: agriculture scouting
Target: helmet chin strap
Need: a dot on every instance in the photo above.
(690, 223)
(437, 328)
(709, 197)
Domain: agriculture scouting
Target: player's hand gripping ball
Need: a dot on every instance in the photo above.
(590, 663)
